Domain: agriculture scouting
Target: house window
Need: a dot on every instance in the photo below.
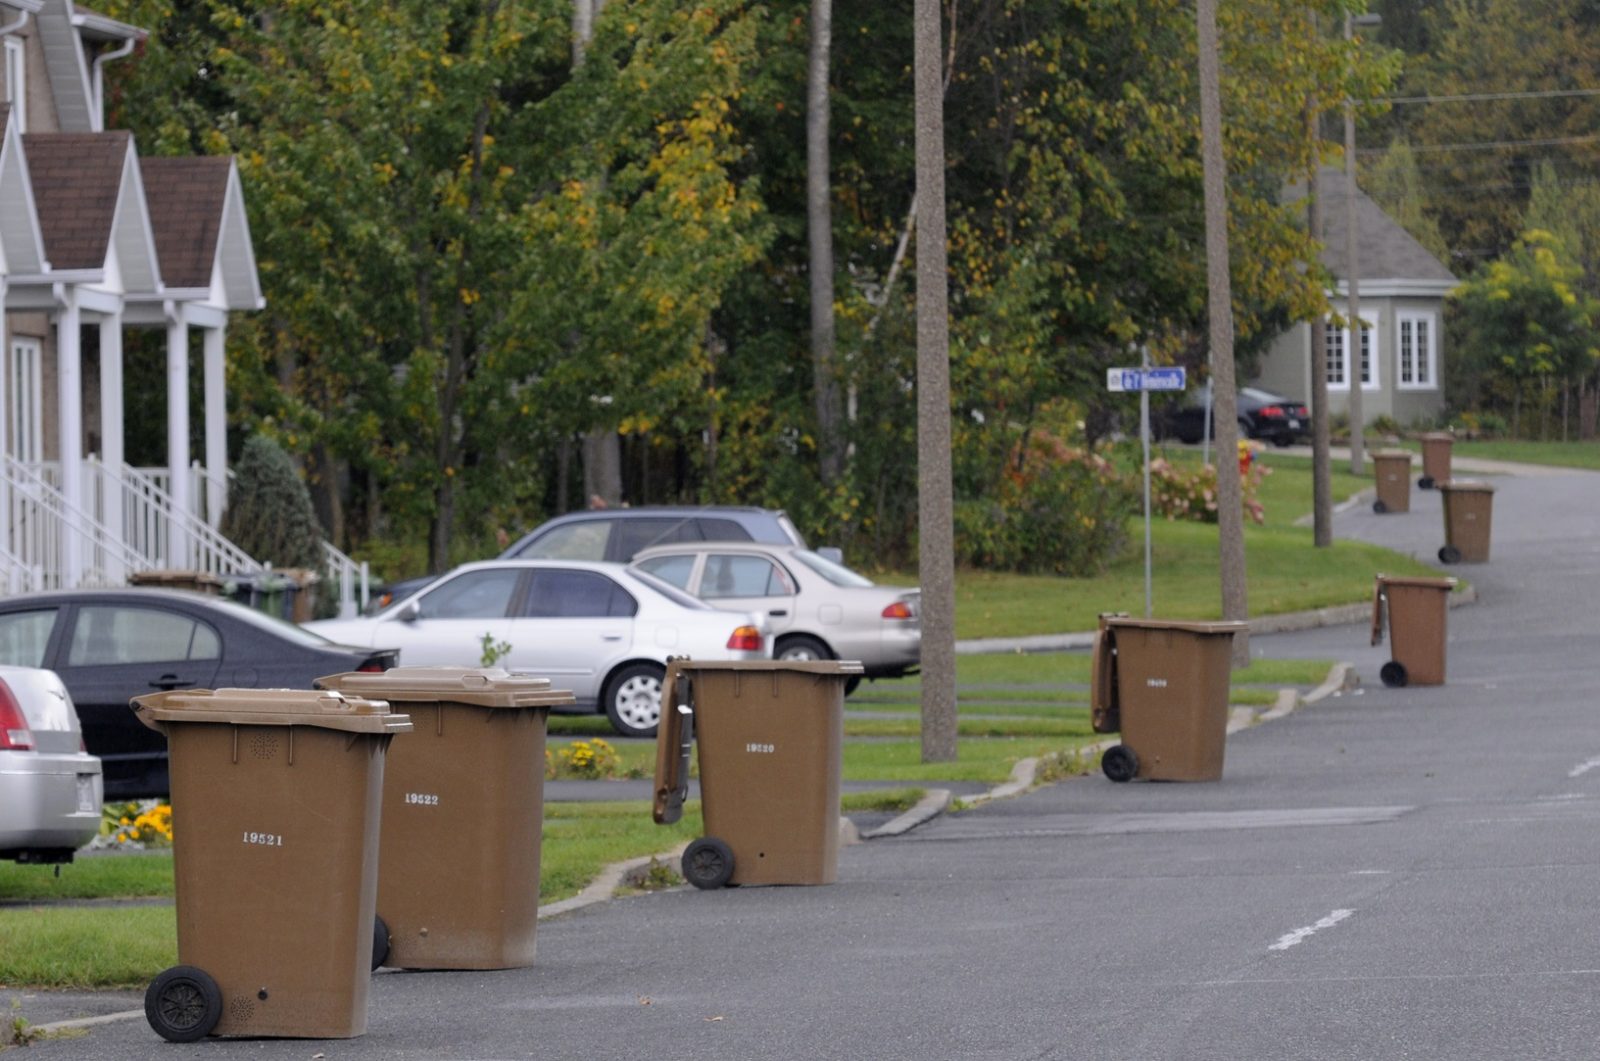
(16, 82)
(24, 434)
(1338, 348)
(1415, 334)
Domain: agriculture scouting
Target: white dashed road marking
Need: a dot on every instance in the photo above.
(1584, 768)
(1300, 935)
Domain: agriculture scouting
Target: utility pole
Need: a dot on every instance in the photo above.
(1321, 470)
(935, 504)
(1353, 280)
(1230, 499)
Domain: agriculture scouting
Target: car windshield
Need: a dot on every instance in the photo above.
(272, 624)
(838, 574)
(669, 591)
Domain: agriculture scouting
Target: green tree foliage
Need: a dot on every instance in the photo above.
(1395, 183)
(1524, 321)
(269, 512)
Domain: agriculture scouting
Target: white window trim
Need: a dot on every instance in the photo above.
(16, 84)
(1429, 354)
(24, 389)
(1374, 362)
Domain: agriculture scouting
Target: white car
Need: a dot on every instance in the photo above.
(598, 629)
(815, 608)
(50, 788)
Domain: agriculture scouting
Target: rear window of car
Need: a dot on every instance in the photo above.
(734, 575)
(470, 595)
(838, 574)
(673, 569)
(671, 592)
(723, 530)
(24, 636)
(106, 635)
(631, 535)
(559, 594)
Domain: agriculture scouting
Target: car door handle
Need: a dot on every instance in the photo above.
(778, 613)
(611, 637)
(168, 682)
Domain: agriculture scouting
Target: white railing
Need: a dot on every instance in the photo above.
(351, 576)
(158, 531)
(41, 525)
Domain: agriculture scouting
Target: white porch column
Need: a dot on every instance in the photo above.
(111, 436)
(69, 433)
(178, 437)
(216, 414)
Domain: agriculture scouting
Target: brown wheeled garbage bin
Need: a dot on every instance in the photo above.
(458, 866)
(1392, 470)
(275, 803)
(1435, 458)
(172, 578)
(1164, 685)
(1416, 610)
(771, 735)
(1468, 509)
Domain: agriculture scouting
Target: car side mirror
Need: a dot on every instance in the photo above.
(410, 612)
(831, 552)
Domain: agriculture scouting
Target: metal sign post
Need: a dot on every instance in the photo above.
(1145, 379)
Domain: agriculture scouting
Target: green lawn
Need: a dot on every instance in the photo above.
(1286, 571)
(1558, 454)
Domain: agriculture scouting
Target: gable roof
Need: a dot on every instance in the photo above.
(1385, 251)
(21, 243)
(202, 234)
(67, 34)
(92, 207)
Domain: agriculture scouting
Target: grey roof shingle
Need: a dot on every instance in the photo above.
(77, 178)
(186, 198)
(1384, 249)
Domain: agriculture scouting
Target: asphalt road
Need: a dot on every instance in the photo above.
(1404, 873)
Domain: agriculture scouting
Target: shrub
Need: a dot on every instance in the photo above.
(137, 824)
(1192, 495)
(587, 759)
(1056, 511)
(269, 512)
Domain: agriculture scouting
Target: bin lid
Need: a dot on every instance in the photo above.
(167, 575)
(813, 666)
(477, 686)
(1186, 627)
(270, 707)
(1437, 436)
(1393, 455)
(1466, 486)
(1415, 580)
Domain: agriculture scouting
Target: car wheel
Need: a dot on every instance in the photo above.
(1189, 434)
(633, 699)
(183, 1004)
(851, 684)
(800, 647)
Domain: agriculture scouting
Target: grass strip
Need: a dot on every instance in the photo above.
(978, 759)
(140, 876)
(891, 800)
(86, 947)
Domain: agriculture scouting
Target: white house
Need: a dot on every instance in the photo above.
(92, 237)
(1402, 287)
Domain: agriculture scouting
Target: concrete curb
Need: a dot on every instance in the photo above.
(605, 885)
(934, 803)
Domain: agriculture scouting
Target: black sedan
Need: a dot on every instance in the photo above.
(1262, 415)
(111, 645)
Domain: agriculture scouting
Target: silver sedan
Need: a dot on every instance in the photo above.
(601, 630)
(50, 788)
(815, 608)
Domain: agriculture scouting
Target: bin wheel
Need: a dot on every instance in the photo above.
(1449, 554)
(633, 699)
(851, 684)
(380, 942)
(708, 863)
(1120, 763)
(183, 1004)
(1426, 482)
(1393, 674)
(1379, 507)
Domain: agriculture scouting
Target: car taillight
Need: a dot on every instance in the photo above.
(745, 639)
(1272, 411)
(898, 610)
(371, 666)
(14, 732)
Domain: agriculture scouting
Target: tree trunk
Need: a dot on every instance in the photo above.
(935, 504)
(1588, 409)
(1230, 501)
(819, 222)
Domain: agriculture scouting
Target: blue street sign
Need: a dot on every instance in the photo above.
(1146, 379)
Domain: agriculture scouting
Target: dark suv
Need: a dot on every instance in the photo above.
(615, 534)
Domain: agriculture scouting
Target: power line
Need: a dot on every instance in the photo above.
(1486, 97)
(1489, 145)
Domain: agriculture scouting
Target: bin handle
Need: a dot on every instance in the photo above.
(1379, 599)
(674, 745)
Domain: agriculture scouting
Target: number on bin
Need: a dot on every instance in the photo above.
(424, 799)
(1156, 683)
(764, 749)
(264, 839)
